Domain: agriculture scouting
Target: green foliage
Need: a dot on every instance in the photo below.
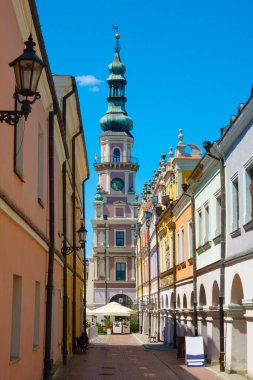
(108, 322)
(134, 325)
(100, 328)
(87, 323)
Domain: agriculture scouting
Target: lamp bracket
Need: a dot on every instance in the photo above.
(68, 250)
(10, 117)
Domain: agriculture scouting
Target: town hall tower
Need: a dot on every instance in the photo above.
(116, 204)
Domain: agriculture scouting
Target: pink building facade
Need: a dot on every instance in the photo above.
(32, 153)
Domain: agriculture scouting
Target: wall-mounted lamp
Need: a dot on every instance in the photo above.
(27, 69)
(82, 233)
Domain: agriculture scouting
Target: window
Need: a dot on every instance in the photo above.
(36, 326)
(119, 212)
(99, 214)
(218, 216)
(178, 248)
(182, 246)
(199, 227)
(40, 166)
(116, 155)
(120, 238)
(190, 239)
(206, 223)
(18, 144)
(135, 212)
(235, 204)
(249, 194)
(16, 317)
(120, 271)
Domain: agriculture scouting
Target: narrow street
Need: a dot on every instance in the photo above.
(123, 357)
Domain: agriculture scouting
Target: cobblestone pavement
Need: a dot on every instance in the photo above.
(124, 357)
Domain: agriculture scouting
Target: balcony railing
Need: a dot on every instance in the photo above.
(122, 160)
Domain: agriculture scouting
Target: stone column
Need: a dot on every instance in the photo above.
(96, 268)
(133, 269)
(212, 332)
(189, 324)
(236, 338)
(248, 306)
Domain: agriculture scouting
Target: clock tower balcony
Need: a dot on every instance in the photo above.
(103, 163)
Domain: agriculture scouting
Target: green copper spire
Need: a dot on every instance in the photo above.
(116, 118)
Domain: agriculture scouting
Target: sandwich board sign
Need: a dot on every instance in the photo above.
(194, 350)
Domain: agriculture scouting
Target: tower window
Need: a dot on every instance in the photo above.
(116, 155)
(120, 238)
(120, 271)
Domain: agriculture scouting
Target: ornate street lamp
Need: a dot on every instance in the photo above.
(27, 69)
(82, 232)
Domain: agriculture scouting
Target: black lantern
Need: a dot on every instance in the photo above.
(82, 233)
(27, 69)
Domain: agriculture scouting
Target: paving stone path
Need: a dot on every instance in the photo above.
(122, 357)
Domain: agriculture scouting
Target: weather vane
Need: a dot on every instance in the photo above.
(117, 47)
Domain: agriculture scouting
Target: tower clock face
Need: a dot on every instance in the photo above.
(117, 184)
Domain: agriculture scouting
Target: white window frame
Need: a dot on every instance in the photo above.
(115, 233)
(207, 222)
(247, 204)
(235, 218)
(182, 242)
(178, 247)
(36, 326)
(120, 260)
(200, 226)
(122, 207)
(16, 318)
(40, 165)
(218, 213)
(190, 252)
(120, 150)
(97, 214)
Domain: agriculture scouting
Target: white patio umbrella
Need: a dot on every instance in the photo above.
(113, 309)
(88, 311)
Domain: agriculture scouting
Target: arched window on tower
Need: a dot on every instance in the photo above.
(116, 155)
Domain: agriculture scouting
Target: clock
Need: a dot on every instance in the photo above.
(117, 184)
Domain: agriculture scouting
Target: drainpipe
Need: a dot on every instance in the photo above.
(50, 278)
(64, 248)
(174, 288)
(149, 283)
(105, 266)
(137, 280)
(207, 145)
(222, 268)
(141, 284)
(74, 239)
(158, 281)
(64, 243)
(84, 260)
(194, 259)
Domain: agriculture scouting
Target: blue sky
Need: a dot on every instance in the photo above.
(189, 65)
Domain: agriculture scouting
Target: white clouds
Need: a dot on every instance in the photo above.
(89, 81)
(94, 89)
